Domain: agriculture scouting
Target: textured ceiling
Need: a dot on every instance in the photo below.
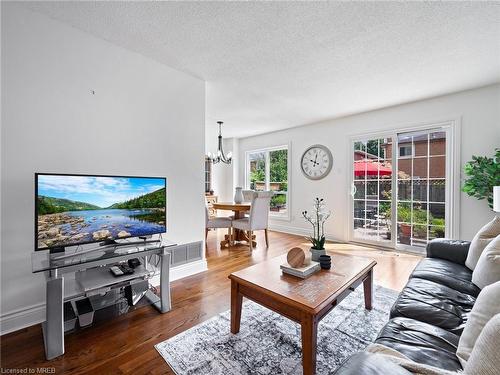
(274, 65)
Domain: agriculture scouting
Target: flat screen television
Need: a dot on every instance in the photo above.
(81, 209)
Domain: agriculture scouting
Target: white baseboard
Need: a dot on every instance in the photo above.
(35, 314)
(184, 270)
(22, 318)
(188, 269)
(306, 232)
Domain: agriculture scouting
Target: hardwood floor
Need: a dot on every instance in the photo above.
(126, 344)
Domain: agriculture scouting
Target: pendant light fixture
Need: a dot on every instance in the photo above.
(220, 157)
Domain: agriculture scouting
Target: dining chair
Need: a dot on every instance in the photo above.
(247, 195)
(259, 216)
(217, 222)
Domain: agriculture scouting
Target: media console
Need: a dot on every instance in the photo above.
(76, 276)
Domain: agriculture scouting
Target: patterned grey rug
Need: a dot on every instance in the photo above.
(270, 344)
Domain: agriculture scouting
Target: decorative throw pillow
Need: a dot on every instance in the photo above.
(403, 361)
(485, 358)
(487, 270)
(481, 240)
(487, 305)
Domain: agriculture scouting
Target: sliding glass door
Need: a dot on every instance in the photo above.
(372, 205)
(421, 198)
(399, 190)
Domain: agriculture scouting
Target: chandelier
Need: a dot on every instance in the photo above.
(220, 157)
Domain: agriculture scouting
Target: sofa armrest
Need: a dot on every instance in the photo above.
(452, 250)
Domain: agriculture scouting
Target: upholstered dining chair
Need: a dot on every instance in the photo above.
(217, 222)
(259, 216)
(247, 195)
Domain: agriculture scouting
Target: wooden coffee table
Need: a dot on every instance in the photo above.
(303, 301)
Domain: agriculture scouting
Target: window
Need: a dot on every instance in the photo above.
(208, 175)
(405, 151)
(402, 200)
(268, 169)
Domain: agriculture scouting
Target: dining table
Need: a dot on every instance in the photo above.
(239, 210)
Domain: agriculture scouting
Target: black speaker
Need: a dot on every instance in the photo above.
(134, 262)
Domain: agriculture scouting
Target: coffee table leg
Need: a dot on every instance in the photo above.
(368, 290)
(236, 302)
(309, 328)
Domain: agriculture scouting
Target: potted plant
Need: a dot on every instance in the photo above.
(482, 174)
(317, 220)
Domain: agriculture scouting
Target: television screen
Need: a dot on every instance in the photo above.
(78, 209)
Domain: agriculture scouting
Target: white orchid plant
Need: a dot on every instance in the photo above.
(317, 219)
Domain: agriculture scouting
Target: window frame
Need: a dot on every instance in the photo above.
(267, 150)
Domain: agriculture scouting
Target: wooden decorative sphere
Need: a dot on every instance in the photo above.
(296, 257)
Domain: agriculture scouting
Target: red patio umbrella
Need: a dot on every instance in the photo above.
(371, 168)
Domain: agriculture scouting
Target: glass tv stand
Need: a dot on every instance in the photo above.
(87, 274)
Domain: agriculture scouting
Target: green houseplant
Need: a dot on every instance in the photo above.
(482, 174)
(317, 220)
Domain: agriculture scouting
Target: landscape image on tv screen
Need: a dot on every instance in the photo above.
(77, 209)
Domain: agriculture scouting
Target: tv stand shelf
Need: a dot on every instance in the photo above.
(101, 277)
(88, 275)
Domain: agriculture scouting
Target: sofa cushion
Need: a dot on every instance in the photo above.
(421, 342)
(444, 272)
(369, 364)
(487, 269)
(453, 250)
(433, 303)
(487, 305)
(482, 238)
(484, 358)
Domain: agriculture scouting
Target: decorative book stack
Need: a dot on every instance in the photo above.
(303, 272)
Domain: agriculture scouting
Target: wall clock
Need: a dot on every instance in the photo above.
(316, 162)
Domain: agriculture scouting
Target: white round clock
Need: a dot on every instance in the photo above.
(316, 162)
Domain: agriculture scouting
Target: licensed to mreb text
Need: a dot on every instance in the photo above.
(26, 370)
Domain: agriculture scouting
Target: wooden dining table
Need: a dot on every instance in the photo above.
(239, 210)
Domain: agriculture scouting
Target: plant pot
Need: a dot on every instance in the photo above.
(315, 253)
(405, 234)
(405, 230)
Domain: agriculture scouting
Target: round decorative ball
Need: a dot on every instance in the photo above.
(296, 257)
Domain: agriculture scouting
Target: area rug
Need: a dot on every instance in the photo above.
(270, 344)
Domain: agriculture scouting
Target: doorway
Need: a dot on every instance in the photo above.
(400, 190)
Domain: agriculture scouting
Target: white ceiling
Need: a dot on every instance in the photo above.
(274, 65)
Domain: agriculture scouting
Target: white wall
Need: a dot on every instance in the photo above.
(144, 119)
(222, 174)
(228, 174)
(478, 109)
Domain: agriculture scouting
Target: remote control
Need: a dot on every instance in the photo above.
(126, 269)
(116, 271)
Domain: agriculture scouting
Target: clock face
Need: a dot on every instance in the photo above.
(316, 162)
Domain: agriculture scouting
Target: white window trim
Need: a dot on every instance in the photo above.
(452, 216)
(266, 150)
